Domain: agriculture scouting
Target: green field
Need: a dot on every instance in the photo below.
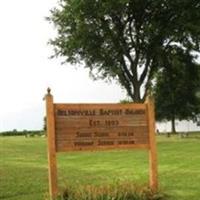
(24, 175)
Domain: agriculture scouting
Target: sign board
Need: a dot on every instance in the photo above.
(100, 126)
(78, 127)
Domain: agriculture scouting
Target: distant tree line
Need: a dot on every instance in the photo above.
(26, 133)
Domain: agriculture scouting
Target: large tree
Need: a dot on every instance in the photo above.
(124, 39)
(176, 88)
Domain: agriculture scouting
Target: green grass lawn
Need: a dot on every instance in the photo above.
(24, 173)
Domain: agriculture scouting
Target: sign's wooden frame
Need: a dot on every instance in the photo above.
(51, 137)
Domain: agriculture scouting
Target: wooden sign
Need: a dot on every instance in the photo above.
(78, 127)
(100, 126)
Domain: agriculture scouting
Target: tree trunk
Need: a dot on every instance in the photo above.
(137, 98)
(173, 125)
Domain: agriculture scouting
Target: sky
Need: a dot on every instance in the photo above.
(26, 70)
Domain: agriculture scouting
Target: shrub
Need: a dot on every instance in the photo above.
(125, 191)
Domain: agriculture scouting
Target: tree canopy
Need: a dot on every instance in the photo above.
(124, 39)
(176, 88)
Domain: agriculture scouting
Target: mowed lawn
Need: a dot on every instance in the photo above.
(24, 172)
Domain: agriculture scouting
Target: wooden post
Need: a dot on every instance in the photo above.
(53, 188)
(153, 171)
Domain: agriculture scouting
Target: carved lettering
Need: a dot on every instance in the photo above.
(105, 142)
(94, 122)
(111, 122)
(125, 142)
(125, 134)
(101, 134)
(78, 134)
(134, 112)
(110, 112)
(76, 112)
(84, 143)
